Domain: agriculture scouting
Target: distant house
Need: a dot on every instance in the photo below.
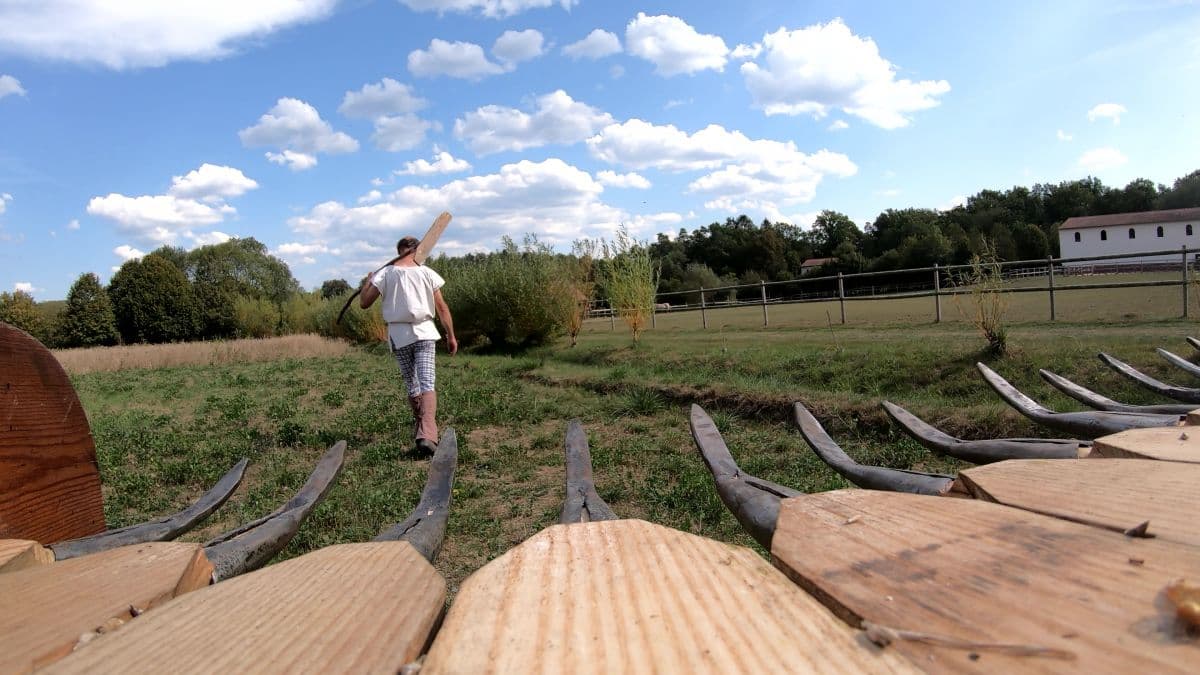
(1130, 233)
(813, 264)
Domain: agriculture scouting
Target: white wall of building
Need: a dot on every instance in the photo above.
(1145, 239)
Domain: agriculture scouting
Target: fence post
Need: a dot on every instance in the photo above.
(937, 294)
(703, 312)
(1183, 253)
(1050, 272)
(612, 317)
(654, 313)
(762, 286)
(842, 298)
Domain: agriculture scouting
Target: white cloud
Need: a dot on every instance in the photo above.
(464, 60)
(443, 162)
(5, 198)
(73, 225)
(1062, 135)
(673, 46)
(492, 9)
(838, 125)
(402, 132)
(295, 126)
(953, 202)
(623, 180)
(557, 119)
(747, 52)
(371, 197)
(598, 44)
(1101, 159)
(1112, 111)
(10, 86)
(300, 249)
(823, 67)
(24, 287)
(207, 238)
(211, 182)
(126, 252)
(144, 34)
(387, 97)
(676, 102)
(513, 47)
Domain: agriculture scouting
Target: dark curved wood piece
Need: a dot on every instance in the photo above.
(1093, 400)
(162, 529)
(425, 527)
(984, 451)
(1193, 342)
(253, 545)
(1185, 394)
(582, 503)
(1091, 424)
(49, 479)
(752, 500)
(1179, 362)
(870, 477)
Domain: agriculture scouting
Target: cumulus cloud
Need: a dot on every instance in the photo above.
(464, 60)
(825, 66)
(126, 252)
(1112, 111)
(295, 126)
(207, 238)
(953, 203)
(387, 97)
(401, 132)
(747, 52)
(839, 125)
(10, 86)
(371, 197)
(144, 34)
(597, 45)
(1101, 159)
(24, 287)
(1062, 135)
(443, 162)
(211, 182)
(513, 47)
(557, 118)
(673, 46)
(623, 180)
(5, 198)
(492, 9)
(73, 225)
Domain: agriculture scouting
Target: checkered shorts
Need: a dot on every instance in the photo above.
(416, 365)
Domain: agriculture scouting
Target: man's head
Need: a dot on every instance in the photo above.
(406, 246)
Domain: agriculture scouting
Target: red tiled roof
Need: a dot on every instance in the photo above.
(817, 262)
(1138, 218)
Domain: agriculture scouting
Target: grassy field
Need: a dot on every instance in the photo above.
(165, 434)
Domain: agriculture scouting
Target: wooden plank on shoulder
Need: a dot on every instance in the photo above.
(624, 596)
(1116, 494)
(1172, 444)
(44, 611)
(981, 575)
(349, 608)
(19, 554)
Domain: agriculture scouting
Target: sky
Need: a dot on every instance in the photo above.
(327, 130)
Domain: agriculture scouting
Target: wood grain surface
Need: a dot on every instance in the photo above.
(1171, 444)
(44, 611)
(49, 481)
(987, 574)
(355, 608)
(19, 554)
(625, 596)
(1117, 494)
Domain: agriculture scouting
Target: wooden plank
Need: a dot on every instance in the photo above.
(981, 572)
(1117, 494)
(19, 554)
(1172, 444)
(622, 596)
(44, 611)
(1192, 418)
(49, 481)
(349, 608)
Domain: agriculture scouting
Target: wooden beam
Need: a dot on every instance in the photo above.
(1179, 444)
(19, 554)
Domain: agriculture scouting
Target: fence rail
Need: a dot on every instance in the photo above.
(938, 281)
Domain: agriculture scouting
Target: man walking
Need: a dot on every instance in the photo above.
(411, 294)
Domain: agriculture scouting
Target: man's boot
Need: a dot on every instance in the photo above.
(427, 431)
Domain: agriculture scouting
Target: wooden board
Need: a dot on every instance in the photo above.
(1117, 494)
(49, 481)
(45, 610)
(352, 608)
(623, 596)
(19, 554)
(1193, 418)
(1173, 444)
(977, 571)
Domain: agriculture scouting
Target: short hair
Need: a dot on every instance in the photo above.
(407, 245)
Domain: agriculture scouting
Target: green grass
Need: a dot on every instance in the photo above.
(165, 435)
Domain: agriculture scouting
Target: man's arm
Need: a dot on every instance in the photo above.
(443, 312)
(368, 293)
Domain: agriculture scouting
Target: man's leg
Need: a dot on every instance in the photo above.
(423, 365)
(406, 359)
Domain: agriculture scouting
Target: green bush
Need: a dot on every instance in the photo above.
(299, 313)
(255, 317)
(88, 319)
(358, 325)
(17, 308)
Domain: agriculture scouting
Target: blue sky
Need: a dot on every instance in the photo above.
(328, 130)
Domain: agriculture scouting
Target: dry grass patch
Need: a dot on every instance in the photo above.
(108, 359)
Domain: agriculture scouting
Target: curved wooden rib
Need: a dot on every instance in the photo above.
(162, 529)
(1084, 424)
(984, 451)
(1179, 362)
(870, 477)
(1093, 400)
(582, 503)
(425, 527)
(752, 500)
(1193, 342)
(254, 544)
(1185, 394)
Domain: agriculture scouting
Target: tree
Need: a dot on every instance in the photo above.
(17, 308)
(632, 281)
(334, 288)
(88, 319)
(830, 230)
(220, 273)
(153, 302)
(1185, 193)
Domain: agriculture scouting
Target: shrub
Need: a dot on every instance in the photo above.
(631, 280)
(88, 319)
(299, 313)
(988, 303)
(17, 308)
(358, 326)
(255, 317)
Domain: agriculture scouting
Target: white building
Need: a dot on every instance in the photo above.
(1131, 233)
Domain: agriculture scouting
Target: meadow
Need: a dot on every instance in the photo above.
(164, 434)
